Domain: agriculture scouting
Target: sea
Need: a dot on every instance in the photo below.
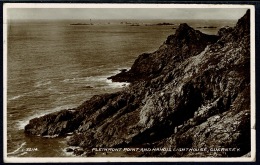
(59, 64)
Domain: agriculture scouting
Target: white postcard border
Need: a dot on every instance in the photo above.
(128, 159)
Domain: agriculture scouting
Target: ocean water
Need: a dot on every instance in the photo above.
(53, 65)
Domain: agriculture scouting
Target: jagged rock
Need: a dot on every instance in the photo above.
(194, 92)
(69, 150)
(90, 153)
(78, 152)
(57, 123)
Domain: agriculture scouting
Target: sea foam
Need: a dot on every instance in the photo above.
(17, 150)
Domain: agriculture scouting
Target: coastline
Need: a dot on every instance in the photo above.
(23, 122)
(134, 106)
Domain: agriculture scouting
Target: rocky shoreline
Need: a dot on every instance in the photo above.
(193, 92)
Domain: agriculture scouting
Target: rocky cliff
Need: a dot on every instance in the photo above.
(193, 92)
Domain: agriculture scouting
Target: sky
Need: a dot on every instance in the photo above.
(125, 13)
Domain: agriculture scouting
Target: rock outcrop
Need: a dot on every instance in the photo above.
(186, 42)
(193, 92)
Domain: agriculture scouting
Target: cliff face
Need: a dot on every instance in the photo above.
(193, 92)
(186, 42)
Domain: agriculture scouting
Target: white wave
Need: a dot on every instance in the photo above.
(51, 136)
(16, 97)
(116, 84)
(108, 82)
(42, 83)
(22, 95)
(84, 79)
(94, 79)
(22, 124)
(69, 80)
(15, 151)
(54, 90)
(119, 70)
(22, 153)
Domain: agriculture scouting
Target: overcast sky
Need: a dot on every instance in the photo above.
(126, 13)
